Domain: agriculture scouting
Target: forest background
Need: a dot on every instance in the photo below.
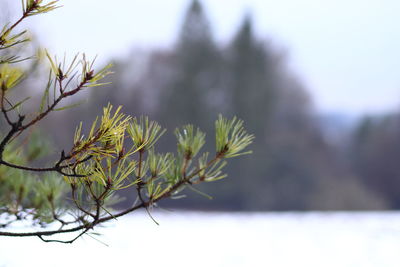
(301, 159)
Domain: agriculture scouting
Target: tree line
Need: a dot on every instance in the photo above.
(294, 165)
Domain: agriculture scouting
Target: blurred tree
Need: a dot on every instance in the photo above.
(248, 84)
(375, 153)
(261, 89)
(195, 65)
(253, 70)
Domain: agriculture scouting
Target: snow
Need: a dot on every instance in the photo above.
(353, 239)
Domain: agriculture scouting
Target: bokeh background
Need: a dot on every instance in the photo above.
(317, 82)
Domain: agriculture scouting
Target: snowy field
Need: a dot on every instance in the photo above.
(225, 239)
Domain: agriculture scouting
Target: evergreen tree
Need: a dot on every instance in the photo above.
(277, 109)
(76, 191)
(252, 74)
(194, 78)
(246, 87)
(374, 152)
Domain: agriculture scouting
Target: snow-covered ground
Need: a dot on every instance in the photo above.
(224, 239)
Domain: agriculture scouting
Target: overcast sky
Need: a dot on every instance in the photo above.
(347, 52)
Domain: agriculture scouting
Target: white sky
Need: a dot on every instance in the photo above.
(347, 52)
